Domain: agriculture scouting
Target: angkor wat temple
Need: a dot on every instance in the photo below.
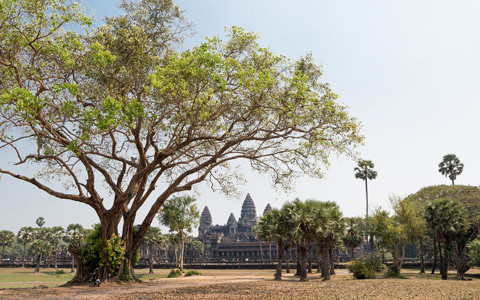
(234, 241)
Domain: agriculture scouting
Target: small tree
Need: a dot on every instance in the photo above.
(354, 236)
(7, 238)
(180, 215)
(25, 236)
(56, 234)
(40, 222)
(198, 249)
(451, 167)
(153, 238)
(364, 171)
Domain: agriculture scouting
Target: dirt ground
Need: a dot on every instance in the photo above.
(246, 284)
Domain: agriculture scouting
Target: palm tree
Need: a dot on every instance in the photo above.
(354, 235)
(25, 236)
(40, 221)
(451, 167)
(329, 228)
(75, 234)
(7, 238)
(272, 227)
(56, 235)
(301, 222)
(364, 171)
(153, 238)
(447, 218)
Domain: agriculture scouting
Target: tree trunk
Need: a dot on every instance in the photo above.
(446, 261)
(422, 261)
(288, 259)
(73, 264)
(150, 259)
(366, 214)
(37, 265)
(270, 251)
(299, 261)
(353, 253)
(461, 261)
(82, 273)
(24, 251)
(56, 254)
(181, 251)
(332, 263)
(404, 248)
(309, 251)
(261, 251)
(303, 262)
(441, 257)
(3, 251)
(278, 272)
(325, 264)
(434, 255)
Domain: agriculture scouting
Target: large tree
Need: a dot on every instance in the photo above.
(451, 167)
(180, 215)
(364, 171)
(115, 107)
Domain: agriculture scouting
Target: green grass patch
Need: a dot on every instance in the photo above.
(193, 272)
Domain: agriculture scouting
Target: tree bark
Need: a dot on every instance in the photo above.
(446, 261)
(278, 271)
(288, 259)
(303, 262)
(73, 264)
(332, 263)
(434, 255)
(56, 254)
(299, 261)
(150, 259)
(37, 265)
(82, 273)
(422, 261)
(441, 257)
(353, 253)
(325, 264)
(309, 253)
(461, 261)
(366, 214)
(24, 251)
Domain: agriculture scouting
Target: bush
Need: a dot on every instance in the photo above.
(393, 272)
(175, 273)
(374, 263)
(193, 272)
(360, 270)
(59, 272)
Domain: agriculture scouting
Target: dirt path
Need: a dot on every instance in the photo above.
(112, 289)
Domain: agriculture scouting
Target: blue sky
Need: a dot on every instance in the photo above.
(408, 70)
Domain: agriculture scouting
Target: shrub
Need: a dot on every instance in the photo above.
(175, 273)
(392, 271)
(193, 272)
(360, 270)
(374, 263)
(59, 272)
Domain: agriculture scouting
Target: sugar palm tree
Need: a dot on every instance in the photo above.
(364, 171)
(153, 238)
(7, 238)
(75, 235)
(40, 221)
(447, 218)
(354, 234)
(56, 234)
(329, 228)
(272, 227)
(25, 236)
(451, 167)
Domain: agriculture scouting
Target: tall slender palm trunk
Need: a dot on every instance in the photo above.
(366, 213)
(434, 266)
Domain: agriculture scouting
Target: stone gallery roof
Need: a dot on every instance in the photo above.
(249, 212)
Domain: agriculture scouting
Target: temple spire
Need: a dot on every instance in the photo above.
(249, 212)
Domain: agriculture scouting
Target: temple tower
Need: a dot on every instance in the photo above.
(267, 208)
(205, 221)
(249, 212)
(231, 219)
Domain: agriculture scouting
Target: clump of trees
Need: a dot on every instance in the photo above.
(115, 106)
